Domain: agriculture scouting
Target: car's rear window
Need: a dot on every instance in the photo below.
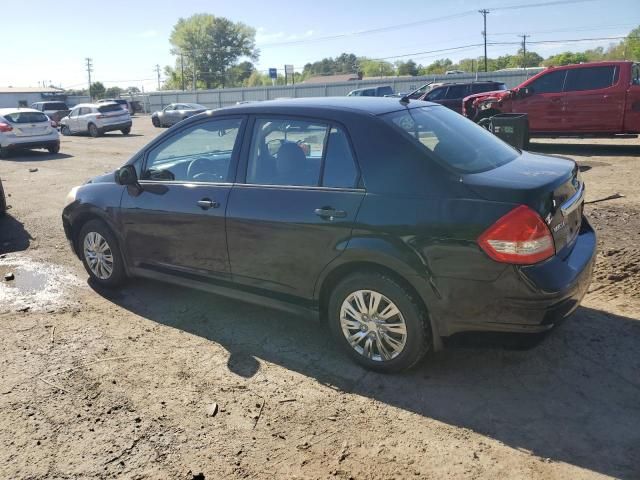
(451, 139)
(55, 106)
(121, 102)
(26, 117)
(109, 108)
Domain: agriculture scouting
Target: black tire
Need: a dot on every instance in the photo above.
(126, 131)
(93, 130)
(418, 329)
(3, 201)
(4, 152)
(155, 122)
(54, 149)
(65, 130)
(118, 273)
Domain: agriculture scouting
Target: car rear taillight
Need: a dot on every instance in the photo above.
(53, 124)
(520, 237)
(4, 127)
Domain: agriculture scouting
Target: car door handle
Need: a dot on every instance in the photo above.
(330, 213)
(207, 203)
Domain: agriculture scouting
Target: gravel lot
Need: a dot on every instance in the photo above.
(123, 384)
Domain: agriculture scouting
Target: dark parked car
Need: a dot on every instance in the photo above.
(398, 223)
(174, 113)
(384, 91)
(451, 94)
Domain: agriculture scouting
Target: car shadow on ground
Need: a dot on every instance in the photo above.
(585, 149)
(13, 236)
(36, 156)
(572, 396)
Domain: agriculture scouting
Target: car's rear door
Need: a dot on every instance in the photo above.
(454, 96)
(593, 101)
(176, 224)
(293, 208)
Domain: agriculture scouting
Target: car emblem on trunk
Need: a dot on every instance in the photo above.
(559, 226)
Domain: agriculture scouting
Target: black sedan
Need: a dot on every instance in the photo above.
(174, 113)
(397, 222)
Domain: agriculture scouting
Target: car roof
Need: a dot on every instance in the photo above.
(318, 105)
(6, 111)
(94, 105)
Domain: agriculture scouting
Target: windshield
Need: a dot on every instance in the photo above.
(451, 139)
(26, 117)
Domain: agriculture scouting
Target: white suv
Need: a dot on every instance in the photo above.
(25, 128)
(96, 119)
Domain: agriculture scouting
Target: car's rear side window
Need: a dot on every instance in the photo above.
(109, 108)
(451, 139)
(593, 78)
(457, 91)
(26, 117)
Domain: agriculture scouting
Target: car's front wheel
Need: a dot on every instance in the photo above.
(379, 322)
(4, 152)
(54, 149)
(65, 130)
(101, 254)
(93, 130)
(126, 131)
(155, 122)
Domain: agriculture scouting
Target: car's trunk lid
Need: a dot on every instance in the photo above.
(549, 185)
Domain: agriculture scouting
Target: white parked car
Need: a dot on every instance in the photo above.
(54, 110)
(96, 119)
(26, 128)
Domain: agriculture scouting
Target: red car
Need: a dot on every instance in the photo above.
(594, 99)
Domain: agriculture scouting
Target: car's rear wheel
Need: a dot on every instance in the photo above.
(126, 131)
(4, 152)
(93, 130)
(54, 149)
(3, 201)
(155, 122)
(378, 322)
(101, 254)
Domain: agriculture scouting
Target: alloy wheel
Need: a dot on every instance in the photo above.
(98, 255)
(373, 325)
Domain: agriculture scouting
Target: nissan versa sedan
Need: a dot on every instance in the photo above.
(397, 222)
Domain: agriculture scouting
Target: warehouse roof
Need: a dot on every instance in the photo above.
(30, 90)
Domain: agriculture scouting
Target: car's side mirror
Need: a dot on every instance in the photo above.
(126, 175)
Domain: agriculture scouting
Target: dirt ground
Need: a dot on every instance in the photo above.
(125, 384)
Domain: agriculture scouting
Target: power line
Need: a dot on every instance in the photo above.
(416, 23)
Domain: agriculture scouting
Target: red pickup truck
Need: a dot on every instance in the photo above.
(590, 99)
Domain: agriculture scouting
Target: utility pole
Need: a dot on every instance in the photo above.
(89, 70)
(484, 12)
(524, 50)
(158, 73)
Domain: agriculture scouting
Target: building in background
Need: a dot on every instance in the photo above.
(25, 96)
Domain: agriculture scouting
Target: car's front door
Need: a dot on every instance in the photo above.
(592, 101)
(72, 123)
(168, 115)
(176, 224)
(295, 210)
(544, 104)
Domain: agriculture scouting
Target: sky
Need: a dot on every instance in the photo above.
(127, 39)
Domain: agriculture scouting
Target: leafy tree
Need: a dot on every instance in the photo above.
(239, 73)
(407, 68)
(438, 67)
(565, 58)
(375, 68)
(113, 92)
(133, 90)
(97, 90)
(210, 45)
(343, 63)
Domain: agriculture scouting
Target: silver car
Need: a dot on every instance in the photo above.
(96, 119)
(25, 128)
(175, 113)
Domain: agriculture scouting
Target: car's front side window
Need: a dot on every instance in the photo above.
(551, 82)
(286, 152)
(200, 153)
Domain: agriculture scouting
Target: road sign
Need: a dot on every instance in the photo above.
(273, 73)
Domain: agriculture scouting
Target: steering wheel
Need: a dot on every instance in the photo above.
(199, 170)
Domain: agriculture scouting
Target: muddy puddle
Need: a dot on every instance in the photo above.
(30, 285)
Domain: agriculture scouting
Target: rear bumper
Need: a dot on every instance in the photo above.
(45, 143)
(115, 126)
(528, 299)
